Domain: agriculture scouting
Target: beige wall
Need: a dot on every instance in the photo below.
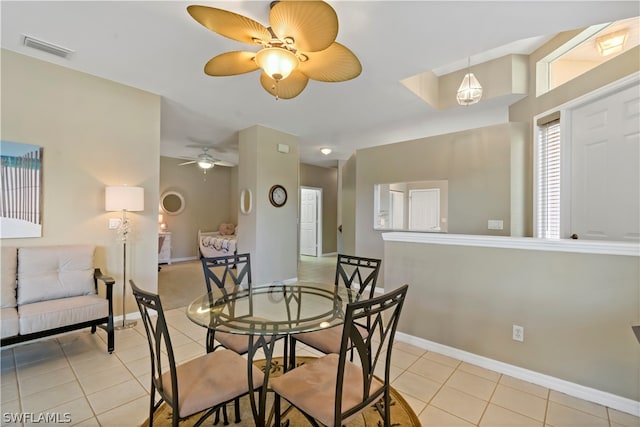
(94, 133)
(327, 180)
(270, 234)
(207, 203)
(576, 309)
(476, 163)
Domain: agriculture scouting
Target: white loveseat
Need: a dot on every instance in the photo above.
(48, 290)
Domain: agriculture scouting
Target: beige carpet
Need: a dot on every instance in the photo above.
(401, 412)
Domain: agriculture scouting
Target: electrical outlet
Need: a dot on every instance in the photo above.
(518, 333)
(495, 224)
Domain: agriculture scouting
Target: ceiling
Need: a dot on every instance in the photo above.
(157, 47)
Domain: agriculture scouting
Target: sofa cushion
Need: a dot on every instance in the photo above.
(8, 322)
(51, 272)
(40, 316)
(9, 262)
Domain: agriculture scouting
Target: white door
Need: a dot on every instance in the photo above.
(605, 168)
(424, 209)
(308, 222)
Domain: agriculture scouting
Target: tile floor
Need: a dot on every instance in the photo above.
(73, 374)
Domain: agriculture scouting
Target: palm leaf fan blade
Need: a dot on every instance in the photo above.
(313, 25)
(229, 24)
(334, 64)
(287, 88)
(231, 63)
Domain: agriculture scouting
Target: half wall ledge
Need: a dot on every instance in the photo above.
(528, 243)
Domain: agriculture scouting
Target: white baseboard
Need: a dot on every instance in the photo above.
(610, 400)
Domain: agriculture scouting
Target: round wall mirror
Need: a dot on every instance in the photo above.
(172, 202)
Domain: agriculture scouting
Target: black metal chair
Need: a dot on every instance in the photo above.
(223, 272)
(205, 383)
(349, 270)
(332, 390)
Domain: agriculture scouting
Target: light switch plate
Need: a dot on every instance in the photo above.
(114, 223)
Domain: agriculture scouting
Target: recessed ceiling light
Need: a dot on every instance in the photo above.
(326, 151)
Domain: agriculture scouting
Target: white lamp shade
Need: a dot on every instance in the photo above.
(123, 197)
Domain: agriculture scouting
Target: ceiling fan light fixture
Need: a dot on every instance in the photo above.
(277, 62)
(205, 164)
(470, 90)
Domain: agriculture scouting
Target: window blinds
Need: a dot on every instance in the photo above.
(548, 181)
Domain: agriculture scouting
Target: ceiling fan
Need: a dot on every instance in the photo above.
(205, 161)
(298, 45)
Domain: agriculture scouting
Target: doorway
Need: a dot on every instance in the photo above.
(424, 209)
(311, 221)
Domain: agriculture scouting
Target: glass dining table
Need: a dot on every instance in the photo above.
(269, 312)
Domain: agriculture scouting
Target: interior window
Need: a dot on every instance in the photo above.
(592, 47)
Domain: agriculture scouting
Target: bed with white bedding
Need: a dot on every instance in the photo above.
(213, 244)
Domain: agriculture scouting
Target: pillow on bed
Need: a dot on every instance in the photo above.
(226, 229)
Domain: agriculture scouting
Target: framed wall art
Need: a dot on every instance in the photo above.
(20, 190)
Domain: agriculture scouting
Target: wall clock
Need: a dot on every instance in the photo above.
(278, 196)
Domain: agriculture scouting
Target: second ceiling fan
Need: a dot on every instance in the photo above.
(205, 161)
(298, 45)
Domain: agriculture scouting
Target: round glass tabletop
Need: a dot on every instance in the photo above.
(272, 309)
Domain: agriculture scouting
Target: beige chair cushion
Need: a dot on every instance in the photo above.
(9, 263)
(326, 340)
(236, 342)
(51, 272)
(44, 315)
(9, 326)
(210, 380)
(312, 387)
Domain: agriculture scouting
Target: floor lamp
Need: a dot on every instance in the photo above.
(124, 198)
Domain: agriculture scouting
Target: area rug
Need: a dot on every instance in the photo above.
(401, 412)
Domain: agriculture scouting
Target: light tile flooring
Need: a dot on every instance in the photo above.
(73, 374)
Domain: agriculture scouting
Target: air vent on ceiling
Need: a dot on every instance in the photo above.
(51, 48)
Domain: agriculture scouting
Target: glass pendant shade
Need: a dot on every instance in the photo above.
(277, 62)
(469, 91)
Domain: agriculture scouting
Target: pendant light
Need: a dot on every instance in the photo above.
(470, 90)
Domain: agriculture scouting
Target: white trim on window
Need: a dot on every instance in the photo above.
(547, 179)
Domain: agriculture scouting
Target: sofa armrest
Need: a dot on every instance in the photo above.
(108, 281)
